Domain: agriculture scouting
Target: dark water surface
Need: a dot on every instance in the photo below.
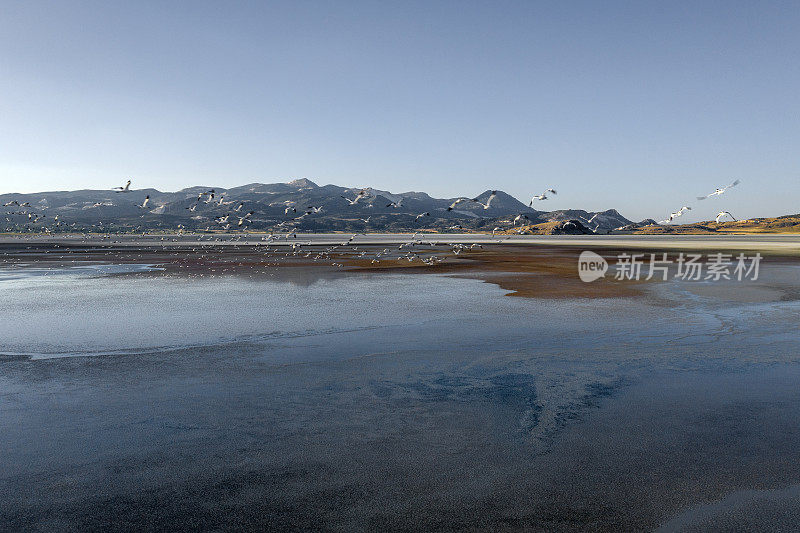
(393, 401)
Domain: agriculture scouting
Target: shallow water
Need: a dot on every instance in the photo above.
(364, 401)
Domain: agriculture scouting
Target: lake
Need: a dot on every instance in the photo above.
(133, 396)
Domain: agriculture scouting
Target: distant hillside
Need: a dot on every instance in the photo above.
(276, 207)
(553, 227)
(784, 224)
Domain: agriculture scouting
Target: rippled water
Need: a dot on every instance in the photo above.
(365, 400)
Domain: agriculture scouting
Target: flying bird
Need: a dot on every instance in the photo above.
(722, 214)
(488, 200)
(312, 209)
(676, 214)
(456, 202)
(717, 192)
(360, 196)
(421, 215)
(126, 188)
(542, 196)
(144, 204)
(396, 203)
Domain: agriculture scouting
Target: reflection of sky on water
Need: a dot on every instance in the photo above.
(22, 273)
(419, 377)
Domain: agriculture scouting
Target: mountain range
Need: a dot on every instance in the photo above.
(273, 206)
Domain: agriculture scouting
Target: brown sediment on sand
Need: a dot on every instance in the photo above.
(524, 271)
(532, 271)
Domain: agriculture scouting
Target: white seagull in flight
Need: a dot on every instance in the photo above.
(456, 202)
(542, 196)
(126, 188)
(722, 214)
(363, 193)
(676, 214)
(488, 200)
(396, 203)
(717, 192)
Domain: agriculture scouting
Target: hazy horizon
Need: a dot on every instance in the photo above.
(636, 107)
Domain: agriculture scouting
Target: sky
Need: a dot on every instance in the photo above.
(639, 106)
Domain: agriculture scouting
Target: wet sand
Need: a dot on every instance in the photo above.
(526, 270)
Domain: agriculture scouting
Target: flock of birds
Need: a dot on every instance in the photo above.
(238, 218)
(717, 192)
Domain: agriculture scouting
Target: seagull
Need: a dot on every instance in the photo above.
(542, 196)
(676, 214)
(520, 217)
(126, 188)
(721, 214)
(396, 203)
(421, 215)
(360, 196)
(488, 200)
(717, 192)
(210, 194)
(144, 204)
(456, 202)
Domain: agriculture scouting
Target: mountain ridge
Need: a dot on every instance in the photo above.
(273, 206)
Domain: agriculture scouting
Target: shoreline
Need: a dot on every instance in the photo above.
(770, 243)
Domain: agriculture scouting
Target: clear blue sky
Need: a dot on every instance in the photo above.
(635, 105)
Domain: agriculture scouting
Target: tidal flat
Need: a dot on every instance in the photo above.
(171, 389)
